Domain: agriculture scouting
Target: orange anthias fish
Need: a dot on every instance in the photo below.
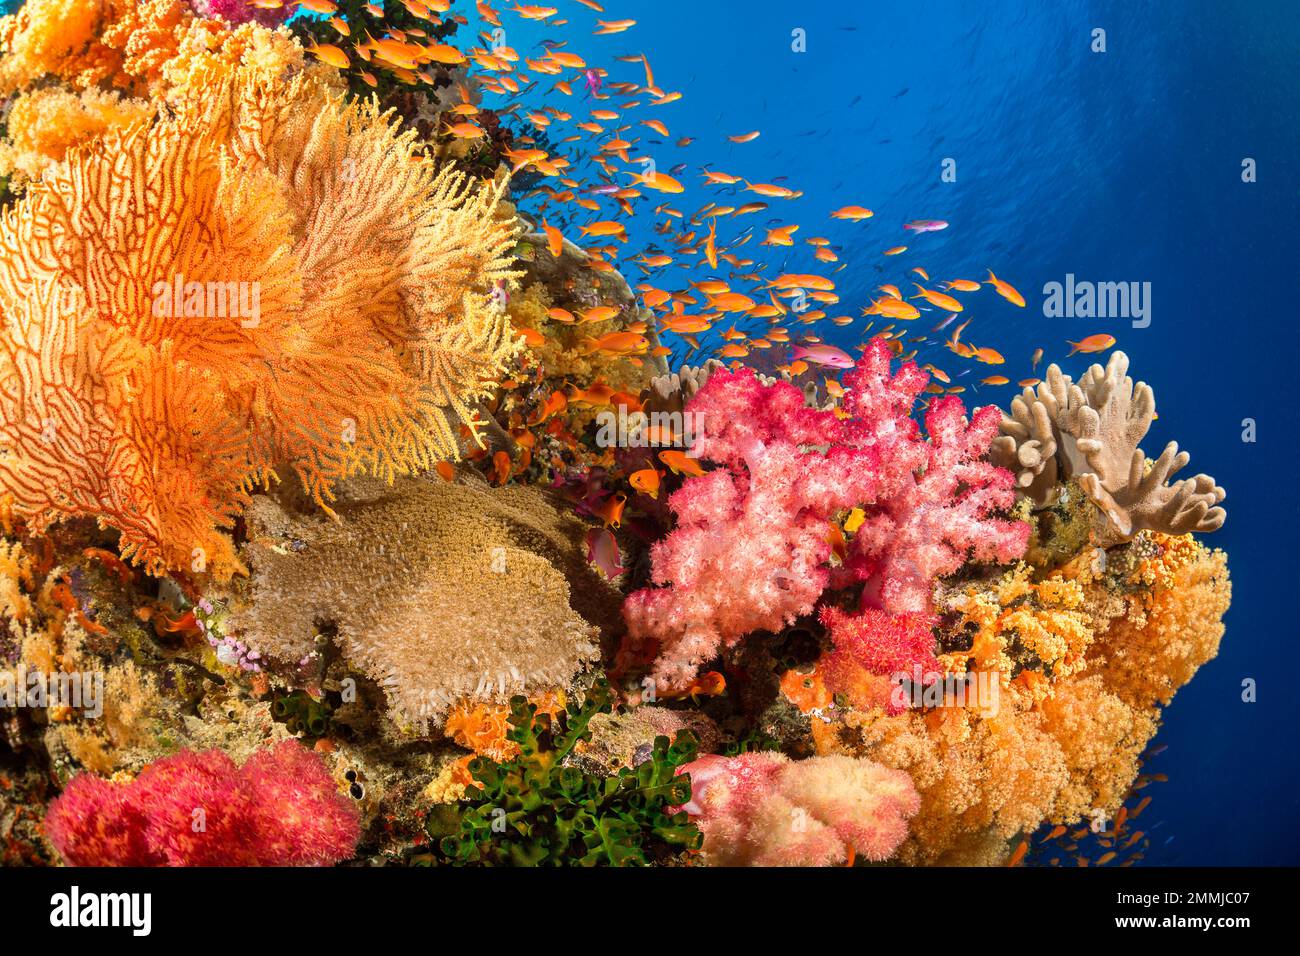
(710, 684)
(611, 511)
(646, 481)
(1006, 290)
(680, 462)
(852, 212)
(1093, 343)
(945, 302)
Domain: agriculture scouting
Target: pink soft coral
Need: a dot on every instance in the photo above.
(241, 11)
(750, 551)
(762, 809)
(942, 518)
(199, 809)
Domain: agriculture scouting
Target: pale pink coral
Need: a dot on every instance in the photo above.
(281, 808)
(762, 809)
(750, 551)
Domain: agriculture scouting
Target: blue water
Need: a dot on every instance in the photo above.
(1117, 166)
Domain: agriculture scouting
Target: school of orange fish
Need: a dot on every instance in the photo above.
(717, 283)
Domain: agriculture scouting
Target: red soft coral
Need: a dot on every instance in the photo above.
(199, 809)
(750, 550)
(871, 649)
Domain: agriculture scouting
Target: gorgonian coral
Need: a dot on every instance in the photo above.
(750, 550)
(763, 809)
(281, 808)
(268, 278)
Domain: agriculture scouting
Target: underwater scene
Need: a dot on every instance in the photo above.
(466, 434)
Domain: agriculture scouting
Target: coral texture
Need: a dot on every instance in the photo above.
(281, 808)
(199, 301)
(1090, 431)
(751, 550)
(762, 809)
(437, 590)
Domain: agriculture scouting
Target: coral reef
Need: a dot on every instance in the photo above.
(281, 808)
(540, 592)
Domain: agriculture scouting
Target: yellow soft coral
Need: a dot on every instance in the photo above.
(1099, 646)
(271, 277)
(48, 121)
(1027, 633)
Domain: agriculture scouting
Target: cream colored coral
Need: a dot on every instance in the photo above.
(435, 590)
(1091, 430)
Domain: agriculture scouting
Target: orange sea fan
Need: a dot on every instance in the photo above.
(268, 277)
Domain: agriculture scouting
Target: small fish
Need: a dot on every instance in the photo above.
(1006, 290)
(1093, 343)
(1018, 854)
(603, 552)
(646, 481)
(1038, 357)
(745, 137)
(710, 684)
(852, 213)
(824, 355)
(611, 511)
(925, 225)
(680, 463)
(329, 53)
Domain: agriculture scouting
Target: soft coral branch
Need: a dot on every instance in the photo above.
(750, 550)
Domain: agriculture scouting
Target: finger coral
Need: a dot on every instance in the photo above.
(1090, 431)
(763, 809)
(195, 303)
(437, 591)
(751, 550)
(281, 808)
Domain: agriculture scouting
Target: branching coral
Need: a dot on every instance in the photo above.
(193, 303)
(762, 809)
(1090, 431)
(750, 550)
(281, 808)
(438, 591)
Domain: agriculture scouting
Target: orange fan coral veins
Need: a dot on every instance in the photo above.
(192, 303)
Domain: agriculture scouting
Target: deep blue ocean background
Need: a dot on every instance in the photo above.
(1116, 166)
